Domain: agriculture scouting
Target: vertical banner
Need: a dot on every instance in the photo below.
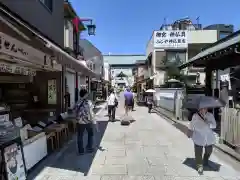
(52, 91)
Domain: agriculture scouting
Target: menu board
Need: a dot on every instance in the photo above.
(14, 162)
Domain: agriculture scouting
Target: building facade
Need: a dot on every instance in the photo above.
(121, 68)
(179, 41)
(94, 60)
(45, 15)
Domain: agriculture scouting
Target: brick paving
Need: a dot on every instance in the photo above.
(149, 149)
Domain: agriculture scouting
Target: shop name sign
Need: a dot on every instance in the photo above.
(9, 68)
(171, 39)
(12, 47)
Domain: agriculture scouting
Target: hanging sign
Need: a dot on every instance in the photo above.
(171, 39)
(14, 69)
(15, 48)
(52, 91)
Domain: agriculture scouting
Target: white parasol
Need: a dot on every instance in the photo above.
(150, 91)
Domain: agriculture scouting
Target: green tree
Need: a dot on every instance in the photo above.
(172, 70)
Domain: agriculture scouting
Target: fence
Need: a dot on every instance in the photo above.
(170, 101)
(230, 128)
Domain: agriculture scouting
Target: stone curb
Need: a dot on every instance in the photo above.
(222, 148)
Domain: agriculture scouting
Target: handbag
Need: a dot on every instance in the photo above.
(115, 102)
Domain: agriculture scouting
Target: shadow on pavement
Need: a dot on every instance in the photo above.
(213, 166)
(70, 160)
(181, 127)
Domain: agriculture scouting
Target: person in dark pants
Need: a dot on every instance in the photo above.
(85, 121)
(112, 104)
(203, 137)
(150, 102)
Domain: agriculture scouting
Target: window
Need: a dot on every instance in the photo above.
(223, 34)
(48, 4)
(176, 57)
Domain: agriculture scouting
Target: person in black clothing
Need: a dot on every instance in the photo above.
(67, 99)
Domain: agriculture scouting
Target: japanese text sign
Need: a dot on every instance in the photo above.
(175, 39)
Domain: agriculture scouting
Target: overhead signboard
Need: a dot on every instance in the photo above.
(171, 39)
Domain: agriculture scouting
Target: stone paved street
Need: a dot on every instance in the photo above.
(150, 149)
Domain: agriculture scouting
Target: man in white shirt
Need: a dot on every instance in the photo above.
(112, 103)
(201, 132)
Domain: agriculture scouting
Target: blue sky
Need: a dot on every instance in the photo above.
(125, 26)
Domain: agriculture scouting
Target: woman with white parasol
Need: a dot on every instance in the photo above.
(150, 99)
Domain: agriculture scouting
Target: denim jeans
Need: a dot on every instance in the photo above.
(80, 133)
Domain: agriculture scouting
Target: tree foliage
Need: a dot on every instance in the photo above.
(172, 70)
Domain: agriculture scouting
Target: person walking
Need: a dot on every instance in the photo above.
(133, 103)
(128, 95)
(85, 121)
(112, 103)
(201, 132)
(150, 102)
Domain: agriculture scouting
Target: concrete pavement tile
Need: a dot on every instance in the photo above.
(151, 151)
(52, 171)
(61, 177)
(139, 178)
(131, 152)
(42, 177)
(125, 160)
(99, 159)
(113, 152)
(144, 170)
(115, 160)
(107, 144)
(113, 177)
(186, 178)
(214, 178)
(180, 170)
(116, 169)
(92, 177)
(157, 161)
(230, 178)
(132, 142)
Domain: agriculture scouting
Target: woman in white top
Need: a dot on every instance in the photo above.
(112, 104)
(201, 132)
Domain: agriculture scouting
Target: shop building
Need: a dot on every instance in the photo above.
(72, 29)
(94, 60)
(141, 79)
(221, 64)
(51, 11)
(32, 90)
(177, 43)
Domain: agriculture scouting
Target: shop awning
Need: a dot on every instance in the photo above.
(219, 48)
(63, 57)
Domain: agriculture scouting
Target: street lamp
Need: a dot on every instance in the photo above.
(91, 27)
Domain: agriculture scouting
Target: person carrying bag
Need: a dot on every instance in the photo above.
(201, 132)
(85, 121)
(112, 103)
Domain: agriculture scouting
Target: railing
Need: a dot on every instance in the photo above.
(189, 27)
(230, 128)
